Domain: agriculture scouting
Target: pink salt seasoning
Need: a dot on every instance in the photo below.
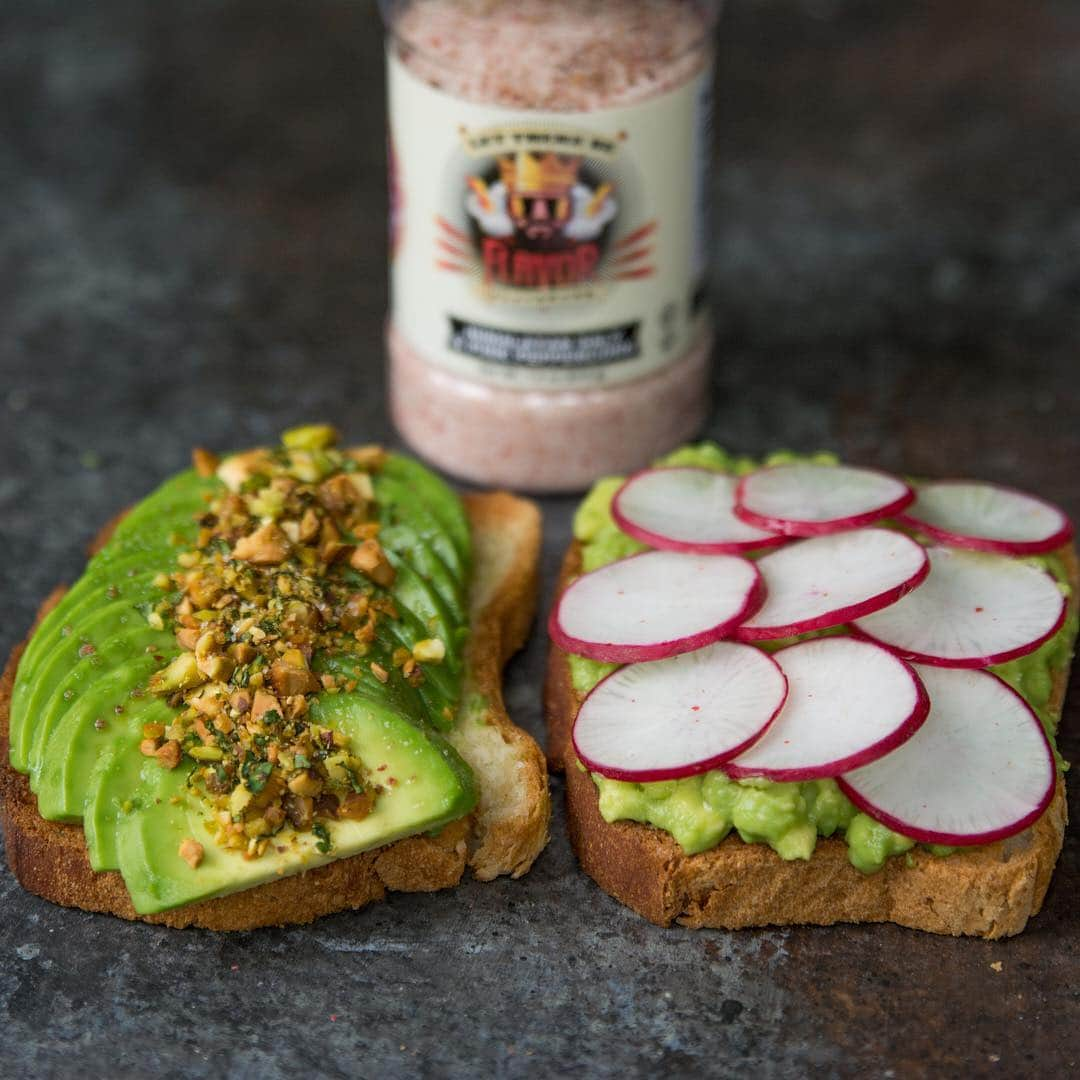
(549, 210)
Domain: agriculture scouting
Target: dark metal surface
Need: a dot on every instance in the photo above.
(191, 250)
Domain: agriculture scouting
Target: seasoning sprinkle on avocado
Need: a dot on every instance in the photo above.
(287, 563)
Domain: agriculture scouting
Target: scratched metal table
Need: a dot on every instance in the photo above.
(191, 250)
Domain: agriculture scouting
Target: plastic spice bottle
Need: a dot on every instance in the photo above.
(549, 174)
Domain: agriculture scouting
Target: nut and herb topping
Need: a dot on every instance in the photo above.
(287, 564)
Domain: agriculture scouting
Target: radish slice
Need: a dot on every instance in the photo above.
(974, 610)
(687, 509)
(979, 769)
(986, 517)
(655, 605)
(849, 703)
(830, 580)
(678, 717)
(811, 500)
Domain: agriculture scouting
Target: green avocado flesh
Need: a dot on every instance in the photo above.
(79, 702)
(700, 811)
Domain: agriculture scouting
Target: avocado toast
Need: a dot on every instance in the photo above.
(729, 847)
(276, 693)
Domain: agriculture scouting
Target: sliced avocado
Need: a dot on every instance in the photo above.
(432, 617)
(426, 785)
(66, 775)
(141, 537)
(137, 591)
(397, 693)
(55, 661)
(398, 510)
(120, 567)
(110, 635)
(102, 764)
(114, 791)
(183, 490)
(407, 544)
(95, 770)
(425, 488)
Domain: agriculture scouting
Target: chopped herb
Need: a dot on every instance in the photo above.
(323, 834)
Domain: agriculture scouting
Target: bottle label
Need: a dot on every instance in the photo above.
(549, 250)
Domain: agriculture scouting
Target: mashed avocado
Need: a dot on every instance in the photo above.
(700, 811)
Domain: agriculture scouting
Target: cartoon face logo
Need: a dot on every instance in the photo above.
(541, 203)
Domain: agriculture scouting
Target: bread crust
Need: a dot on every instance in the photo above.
(49, 858)
(989, 891)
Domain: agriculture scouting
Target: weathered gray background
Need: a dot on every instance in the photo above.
(191, 250)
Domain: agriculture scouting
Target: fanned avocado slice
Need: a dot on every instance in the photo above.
(69, 772)
(422, 487)
(100, 692)
(425, 786)
(80, 703)
(176, 495)
(125, 567)
(115, 786)
(110, 635)
(412, 529)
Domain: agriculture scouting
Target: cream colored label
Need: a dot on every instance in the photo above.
(535, 249)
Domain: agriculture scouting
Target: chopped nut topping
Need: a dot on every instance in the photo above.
(370, 559)
(192, 852)
(267, 546)
(169, 755)
(286, 569)
(204, 462)
(429, 651)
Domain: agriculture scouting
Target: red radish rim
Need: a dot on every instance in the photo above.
(665, 543)
(679, 772)
(807, 529)
(831, 770)
(931, 836)
(629, 654)
(610, 653)
(840, 616)
(998, 547)
(967, 663)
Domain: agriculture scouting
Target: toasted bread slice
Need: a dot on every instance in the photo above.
(503, 835)
(989, 891)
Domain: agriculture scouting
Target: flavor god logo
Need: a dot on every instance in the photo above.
(540, 224)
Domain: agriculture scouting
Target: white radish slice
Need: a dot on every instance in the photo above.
(985, 517)
(849, 703)
(973, 610)
(831, 580)
(678, 717)
(687, 509)
(979, 769)
(655, 605)
(804, 499)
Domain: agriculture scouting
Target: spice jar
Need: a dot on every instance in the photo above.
(549, 175)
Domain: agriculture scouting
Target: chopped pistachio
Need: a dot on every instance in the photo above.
(429, 651)
(192, 852)
(182, 674)
(311, 437)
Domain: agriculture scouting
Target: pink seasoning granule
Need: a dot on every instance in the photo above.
(564, 56)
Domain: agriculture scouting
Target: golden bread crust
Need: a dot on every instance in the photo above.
(989, 891)
(49, 858)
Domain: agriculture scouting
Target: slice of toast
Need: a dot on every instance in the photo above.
(989, 891)
(503, 835)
